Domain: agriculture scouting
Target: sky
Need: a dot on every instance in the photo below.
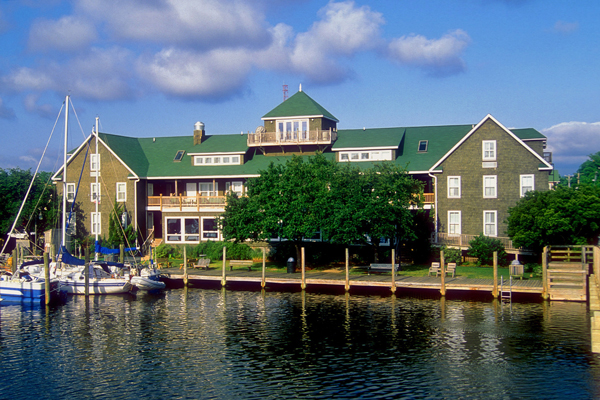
(151, 68)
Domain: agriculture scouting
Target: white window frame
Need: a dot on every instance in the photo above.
(235, 187)
(184, 237)
(203, 233)
(454, 228)
(95, 192)
(488, 150)
(70, 192)
(490, 182)
(490, 228)
(361, 156)
(454, 187)
(292, 129)
(522, 184)
(121, 192)
(96, 220)
(94, 162)
(212, 190)
(217, 160)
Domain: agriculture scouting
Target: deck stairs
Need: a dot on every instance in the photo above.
(567, 281)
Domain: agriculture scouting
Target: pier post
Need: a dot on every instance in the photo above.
(545, 294)
(185, 274)
(121, 253)
(596, 332)
(393, 288)
(223, 279)
(495, 290)
(86, 271)
(47, 277)
(443, 271)
(264, 267)
(14, 259)
(347, 270)
(303, 285)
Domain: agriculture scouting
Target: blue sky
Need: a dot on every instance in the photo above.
(155, 67)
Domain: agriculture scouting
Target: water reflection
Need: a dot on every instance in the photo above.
(194, 343)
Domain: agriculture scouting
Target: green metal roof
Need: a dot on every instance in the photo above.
(527, 134)
(363, 138)
(299, 105)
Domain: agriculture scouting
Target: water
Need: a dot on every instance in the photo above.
(213, 344)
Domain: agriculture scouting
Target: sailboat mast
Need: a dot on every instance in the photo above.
(64, 213)
(97, 188)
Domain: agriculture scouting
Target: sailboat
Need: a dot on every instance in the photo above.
(71, 271)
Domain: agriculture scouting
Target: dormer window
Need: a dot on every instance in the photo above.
(422, 146)
(216, 160)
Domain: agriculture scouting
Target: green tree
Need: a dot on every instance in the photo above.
(13, 187)
(589, 171)
(557, 217)
(117, 233)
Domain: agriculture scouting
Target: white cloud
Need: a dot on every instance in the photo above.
(100, 74)
(572, 142)
(6, 112)
(66, 34)
(441, 56)
(202, 24)
(187, 73)
(32, 106)
(565, 27)
(343, 30)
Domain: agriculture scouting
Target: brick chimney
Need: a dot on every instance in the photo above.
(198, 132)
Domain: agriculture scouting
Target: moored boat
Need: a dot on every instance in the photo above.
(26, 286)
(148, 279)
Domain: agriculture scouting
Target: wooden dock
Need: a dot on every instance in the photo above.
(316, 279)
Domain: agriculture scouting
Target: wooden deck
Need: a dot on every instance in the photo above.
(315, 279)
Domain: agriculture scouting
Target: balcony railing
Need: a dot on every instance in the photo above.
(298, 137)
(186, 202)
(462, 241)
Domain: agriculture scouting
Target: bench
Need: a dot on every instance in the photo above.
(202, 263)
(237, 263)
(379, 268)
(451, 269)
(163, 262)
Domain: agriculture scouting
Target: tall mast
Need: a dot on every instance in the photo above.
(64, 213)
(97, 189)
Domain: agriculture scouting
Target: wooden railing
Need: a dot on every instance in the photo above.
(181, 202)
(463, 240)
(299, 137)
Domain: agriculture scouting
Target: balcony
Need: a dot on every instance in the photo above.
(186, 203)
(316, 137)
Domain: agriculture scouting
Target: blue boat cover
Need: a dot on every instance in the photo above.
(104, 250)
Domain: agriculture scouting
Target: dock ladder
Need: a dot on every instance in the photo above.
(506, 293)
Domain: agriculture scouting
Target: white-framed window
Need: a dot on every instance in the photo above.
(217, 160)
(121, 192)
(95, 162)
(296, 129)
(489, 150)
(235, 187)
(183, 230)
(454, 223)
(490, 186)
(95, 192)
(454, 187)
(206, 189)
(379, 155)
(70, 192)
(527, 184)
(210, 229)
(422, 146)
(96, 219)
(490, 223)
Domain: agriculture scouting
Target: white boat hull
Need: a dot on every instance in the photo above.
(144, 283)
(96, 286)
(17, 290)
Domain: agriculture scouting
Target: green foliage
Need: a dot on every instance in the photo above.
(483, 247)
(166, 251)
(13, 187)
(311, 194)
(565, 216)
(452, 255)
(214, 251)
(117, 235)
(536, 269)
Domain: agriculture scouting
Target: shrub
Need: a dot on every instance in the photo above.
(214, 251)
(483, 247)
(166, 251)
(452, 255)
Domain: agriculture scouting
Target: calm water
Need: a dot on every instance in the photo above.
(217, 344)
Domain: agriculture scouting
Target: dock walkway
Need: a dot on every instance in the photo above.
(319, 278)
